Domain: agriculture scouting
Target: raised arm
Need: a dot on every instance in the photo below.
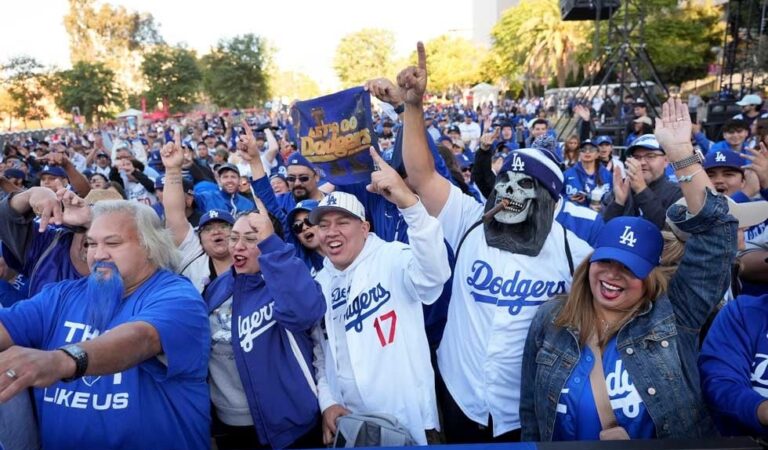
(419, 165)
(428, 268)
(173, 191)
(704, 272)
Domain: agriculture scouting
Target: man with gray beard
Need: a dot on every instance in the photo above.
(118, 359)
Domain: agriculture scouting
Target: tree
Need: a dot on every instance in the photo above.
(173, 76)
(531, 42)
(235, 72)
(88, 86)
(454, 63)
(680, 38)
(111, 35)
(24, 78)
(294, 86)
(363, 55)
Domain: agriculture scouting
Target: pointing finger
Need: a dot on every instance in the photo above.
(422, 55)
(377, 159)
(247, 128)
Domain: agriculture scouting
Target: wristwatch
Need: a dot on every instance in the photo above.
(399, 108)
(77, 353)
(695, 158)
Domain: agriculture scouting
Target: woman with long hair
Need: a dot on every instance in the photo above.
(616, 359)
(588, 181)
(571, 151)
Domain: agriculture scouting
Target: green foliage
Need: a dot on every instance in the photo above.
(680, 40)
(24, 78)
(453, 63)
(532, 44)
(363, 55)
(172, 74)
(235, 72)
(111, 35)
(294, 86)
(88, 86)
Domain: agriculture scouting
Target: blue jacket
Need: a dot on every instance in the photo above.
(733, 365)
(659, 346)
(576, 180)
(218, 199)
(273, 312)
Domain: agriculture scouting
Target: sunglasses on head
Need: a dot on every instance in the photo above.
(293, 178)
(298, 227)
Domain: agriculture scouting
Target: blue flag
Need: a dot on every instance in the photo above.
(335, 133)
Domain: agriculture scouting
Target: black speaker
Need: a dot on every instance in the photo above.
(588, 9)
(717, 114)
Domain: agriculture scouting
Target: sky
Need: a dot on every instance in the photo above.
(304, 32)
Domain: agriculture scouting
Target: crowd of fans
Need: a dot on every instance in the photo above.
(197, 281)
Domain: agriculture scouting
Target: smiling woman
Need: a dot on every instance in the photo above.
(623, 328)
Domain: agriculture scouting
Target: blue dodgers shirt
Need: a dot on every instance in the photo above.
(577, 417)
(153, 405)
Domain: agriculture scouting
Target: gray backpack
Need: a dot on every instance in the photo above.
(370, 430)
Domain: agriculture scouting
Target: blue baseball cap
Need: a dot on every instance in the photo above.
(723, 158)
(56, 171)
(297, 159)
(304, 205)
(632, 241)
(646, 141)
(216, 214)
(603, 140)
(14, 173)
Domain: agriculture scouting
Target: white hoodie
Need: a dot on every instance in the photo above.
(379, 299)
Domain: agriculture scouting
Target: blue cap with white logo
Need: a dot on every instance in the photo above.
(632, 241)
(304, 205)
(603, 140)
(55, 171)
(216, 214)
(723, 158)
(297, 159)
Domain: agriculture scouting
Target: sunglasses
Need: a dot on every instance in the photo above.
(293, 178)
(588, 149)
(466, 169)
(298, 227)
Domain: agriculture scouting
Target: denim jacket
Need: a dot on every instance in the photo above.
(659, 346)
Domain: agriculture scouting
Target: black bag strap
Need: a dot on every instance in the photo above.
(464, 237)
(568, 250)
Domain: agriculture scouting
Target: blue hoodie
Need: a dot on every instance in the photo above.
(273, 312)
(733, 366)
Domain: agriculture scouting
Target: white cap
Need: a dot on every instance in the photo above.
(750, 99)
(748, 214)
(340, 202)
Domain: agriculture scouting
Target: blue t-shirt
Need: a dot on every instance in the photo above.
(153, 405)
(577, 417)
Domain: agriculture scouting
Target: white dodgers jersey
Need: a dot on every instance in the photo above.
(495, 297)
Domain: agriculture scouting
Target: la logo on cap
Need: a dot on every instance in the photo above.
(331, 200)
(628, 238)
(213, 214)
(719, 157)
(518, 165)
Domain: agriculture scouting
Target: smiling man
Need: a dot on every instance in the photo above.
(374, 322)
(227, 197)
(142, 384)
(645, 191)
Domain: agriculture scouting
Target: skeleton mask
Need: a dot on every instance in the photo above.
(520, 190)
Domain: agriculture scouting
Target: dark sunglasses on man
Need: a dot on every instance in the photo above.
(293, 178)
